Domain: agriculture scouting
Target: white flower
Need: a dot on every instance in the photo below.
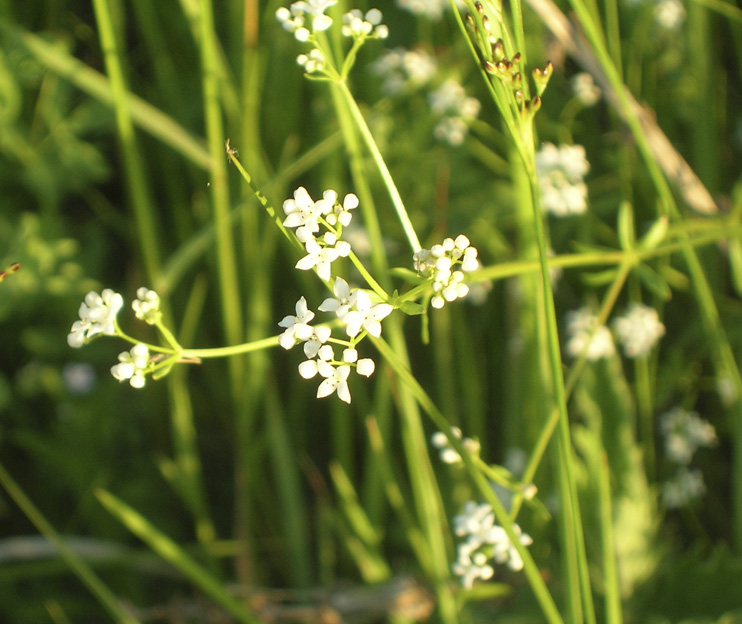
(439, 263)
(316, 340)
(404, 70)
(336, 380)
(639, 330)
(294, 19)
(584, 334)
(683, 488)
(304, 214)
(365, 367)
(364, 315)
(450, 102)
(447, 454)
(484, 539)
(147, 305)
(341, 212)
(561, 171)
(471, 566)
(685, 432)
(341, 304)
(432, 9)
(585, 89)
(669, 14)
(313, 62)
(358, 26)
(97, 316)
(297, 327)
(319, 257)
(132, 365)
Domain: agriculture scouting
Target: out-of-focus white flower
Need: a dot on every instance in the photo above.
(639, 330)
(305, 13)
(685, 432)
(404, 70)
(585, 89)
(358, 26)
(450, 102)
(560, 172)
(685, 487)
(669, 14)
(432, 9)
(485, 540)
(447, 454)
(585, 334)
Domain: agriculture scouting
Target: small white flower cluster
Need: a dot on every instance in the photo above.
(639, 330)
(98, 317)
(404, 70)
(456, 109)
(440, 262)
(307, 17)
(307, 215)
(432, 9)
(356, 25)
(684, 433)
(295, 19)
(147, 306)
(132, 365)
(560, 172)
(585, 334)
(485, 541)
(684, 487)
(447, 454)
(670, 14)
(585, 89)
(359, 315)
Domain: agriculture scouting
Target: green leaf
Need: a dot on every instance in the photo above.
(735, 263)
(599, 278)
(655, 235)
(626, 226)
(654, 282)
(412, 308)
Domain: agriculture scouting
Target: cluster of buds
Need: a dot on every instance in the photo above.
(356, 25)
(446, 263)
(508, 70)
(98, 314)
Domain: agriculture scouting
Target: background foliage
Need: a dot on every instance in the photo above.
(235, 460)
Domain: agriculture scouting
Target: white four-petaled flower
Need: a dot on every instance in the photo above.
(297, 327)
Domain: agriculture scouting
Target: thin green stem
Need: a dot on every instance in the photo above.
(373, 149)
(140, 199)
(229, 284)
(480, 480)
(78, 566)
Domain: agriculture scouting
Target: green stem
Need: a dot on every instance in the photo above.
(229, 284)
(426, 403)
(81, 569)
(368, 139)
